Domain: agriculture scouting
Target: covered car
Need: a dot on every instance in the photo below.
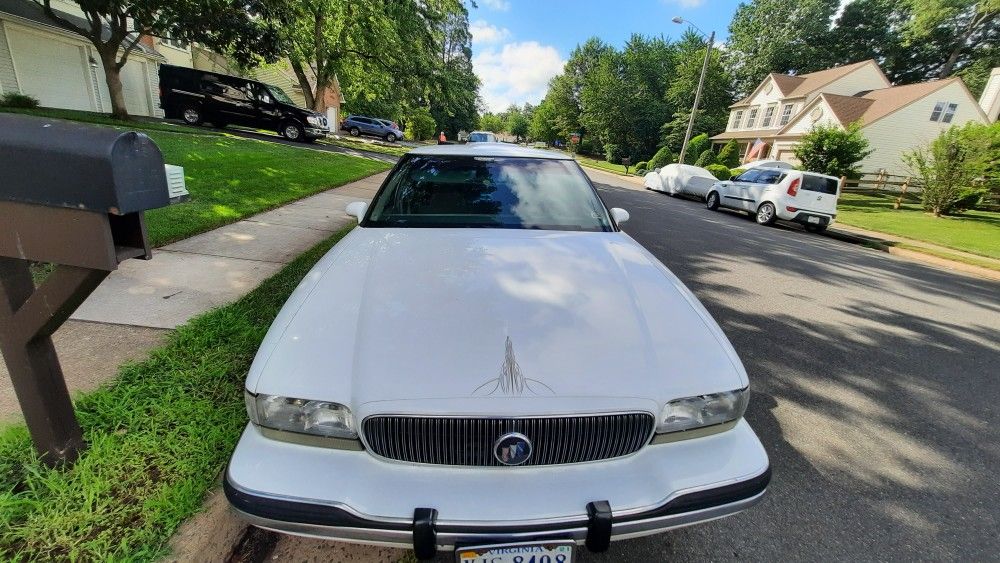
(676, 179)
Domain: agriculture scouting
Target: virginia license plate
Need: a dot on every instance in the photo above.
(813, 219)
(532, 552)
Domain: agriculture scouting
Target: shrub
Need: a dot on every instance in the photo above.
(696, 146)
(954, 167)
(730, 154)
(420, 125)
(720, 171)
(641, 165)
(15, 100)
(662, 158)
(706, 158)
(829, 149)
(736, 172)
(613, 153)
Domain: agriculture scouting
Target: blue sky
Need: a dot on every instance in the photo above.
(518, 45)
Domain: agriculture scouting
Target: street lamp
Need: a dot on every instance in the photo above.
(701, 84)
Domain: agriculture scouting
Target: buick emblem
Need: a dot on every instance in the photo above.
(512, 448)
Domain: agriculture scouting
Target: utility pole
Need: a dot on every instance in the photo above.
(701, 84)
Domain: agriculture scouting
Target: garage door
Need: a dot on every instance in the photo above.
(50, 70)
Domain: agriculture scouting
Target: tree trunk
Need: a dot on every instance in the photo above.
(113, 77)
(319, 100)
(304, 84)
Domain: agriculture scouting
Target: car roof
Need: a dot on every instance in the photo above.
(490, 149)
(789, 170)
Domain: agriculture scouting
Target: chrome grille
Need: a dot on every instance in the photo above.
(470, 441)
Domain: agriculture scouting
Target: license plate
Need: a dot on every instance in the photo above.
(531, 552)
(812, 219)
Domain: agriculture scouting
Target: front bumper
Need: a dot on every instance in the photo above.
(316, 132)
(352, 496)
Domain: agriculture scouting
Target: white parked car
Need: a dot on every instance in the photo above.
(677, 179)
(767, 164)
(770, 194)
(487, 361)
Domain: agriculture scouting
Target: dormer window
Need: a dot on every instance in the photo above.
(768, 116)
(786, 114)
(944, 112)
(737, 118)
(752, 118)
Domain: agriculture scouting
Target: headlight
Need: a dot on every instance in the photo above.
(319, 418)
(703, 410)
(314, 120)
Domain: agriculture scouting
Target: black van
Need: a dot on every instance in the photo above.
(197, 96)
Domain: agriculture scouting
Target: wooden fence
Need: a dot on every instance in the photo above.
(905, 188)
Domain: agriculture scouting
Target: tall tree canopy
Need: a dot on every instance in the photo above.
(247, 30)
(778, 36)
(716, 97)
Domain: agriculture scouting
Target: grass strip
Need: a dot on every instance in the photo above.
(976, 232)
(398, 150)
(601, 164)
(159, 435)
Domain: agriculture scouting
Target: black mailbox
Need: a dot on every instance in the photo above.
(71, 195)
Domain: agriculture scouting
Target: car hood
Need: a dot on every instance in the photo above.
(439, 315)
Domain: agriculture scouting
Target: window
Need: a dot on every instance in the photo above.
(770, 177)
(488, 192)
(820, 184)
(768, 116)
(949, 113)
(177, 43)
(936, 114)
(752, 118)
(786, 114)
(748, 176)
(737, 118)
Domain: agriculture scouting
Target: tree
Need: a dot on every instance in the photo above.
(713, 108)
(730, 154)
(516, 121)
(544, 125)
(706, 158)
(829, 149)
(966, 22)
(662, 158)
(697, 145)
(453, 91)
(246, 30)
(778, 36)
(491, 122)
(960, 160)
(420, 125)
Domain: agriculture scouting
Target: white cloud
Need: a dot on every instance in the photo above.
(516, 73)
(483, 32)
(498, 5)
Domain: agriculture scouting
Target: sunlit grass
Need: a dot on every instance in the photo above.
(977, 232)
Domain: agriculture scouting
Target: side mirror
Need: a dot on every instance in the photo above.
(619, 215)
(357, 209)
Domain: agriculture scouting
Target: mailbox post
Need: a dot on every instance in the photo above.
(71, 195)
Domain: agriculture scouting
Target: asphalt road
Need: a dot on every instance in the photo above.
(875, 386)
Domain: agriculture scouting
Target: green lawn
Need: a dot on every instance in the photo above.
(977, 232)
(159, 435)
(230, 177)
(602, 164)
(348, 143)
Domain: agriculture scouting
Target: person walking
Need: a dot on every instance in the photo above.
(442, 139)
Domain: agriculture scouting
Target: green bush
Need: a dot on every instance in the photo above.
(15, 100)
(613, 153)
(830, 149)
(696, 146)
(736, 172)
(730, 154)
(662, 158)
(641, 165)
(719, 171)
(954, 167)
(420, 125)
(706, 158)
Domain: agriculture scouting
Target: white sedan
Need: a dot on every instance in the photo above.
(677, 179)
(487, 361)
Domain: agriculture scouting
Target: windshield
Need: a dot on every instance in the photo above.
(280, 95)
(488, 192)
(482, 138)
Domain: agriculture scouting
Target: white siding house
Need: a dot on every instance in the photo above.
(895, 119)
(62, 70)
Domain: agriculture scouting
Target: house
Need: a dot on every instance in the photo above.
(62, 69)
(894, 119)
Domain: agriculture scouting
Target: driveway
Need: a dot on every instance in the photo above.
(875, 383)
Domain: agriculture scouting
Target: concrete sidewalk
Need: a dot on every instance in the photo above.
(197, 274)
(131, 312)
